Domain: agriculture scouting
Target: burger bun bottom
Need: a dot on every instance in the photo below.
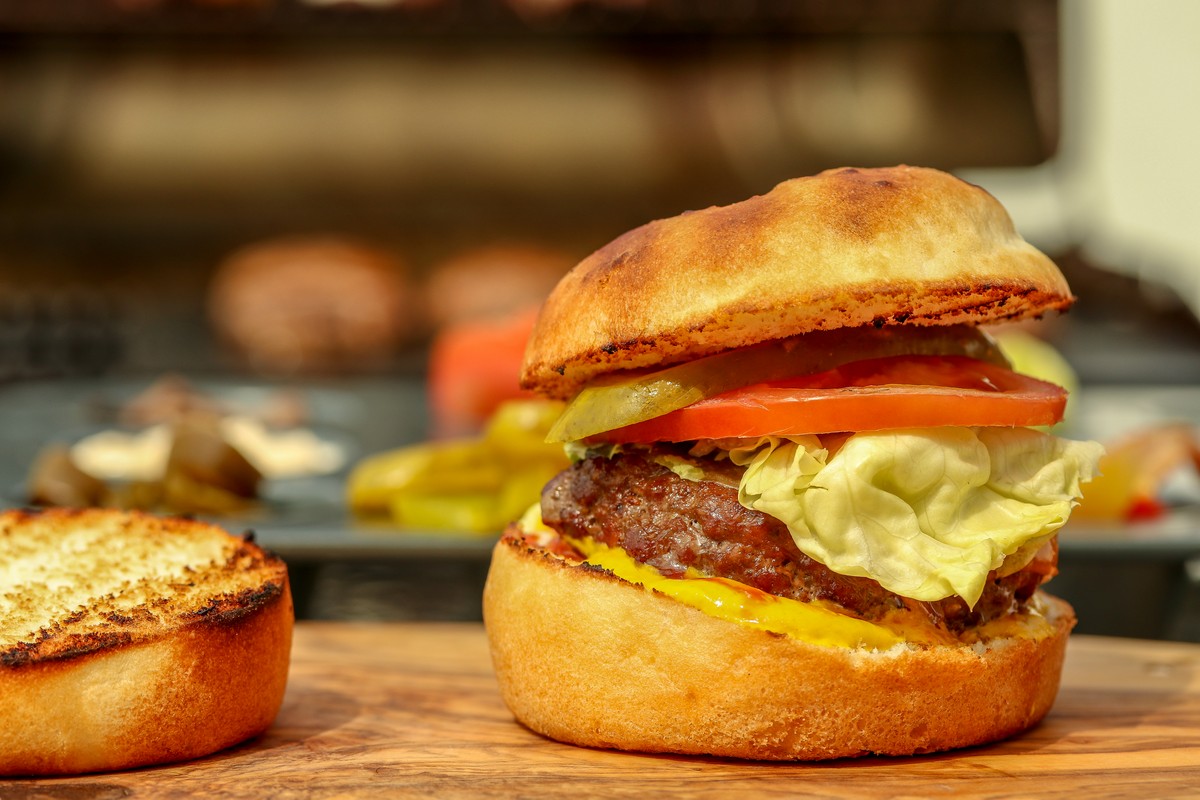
(587, 658)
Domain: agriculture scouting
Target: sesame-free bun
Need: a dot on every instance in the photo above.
(161, 640)
(845, 248)
(587, 658)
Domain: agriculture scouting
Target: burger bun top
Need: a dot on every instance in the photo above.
(846, 248)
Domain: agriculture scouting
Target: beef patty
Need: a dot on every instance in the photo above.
(672, 523)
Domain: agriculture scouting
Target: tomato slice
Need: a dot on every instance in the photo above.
(875, 394)
(473, 369)
(626, 399)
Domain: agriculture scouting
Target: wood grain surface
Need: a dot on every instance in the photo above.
(412, 710)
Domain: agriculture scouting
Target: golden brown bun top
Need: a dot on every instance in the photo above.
(845, 248)
(75, 582)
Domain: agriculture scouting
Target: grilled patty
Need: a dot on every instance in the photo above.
(672, 523)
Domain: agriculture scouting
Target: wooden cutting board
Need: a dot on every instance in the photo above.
(412, 710)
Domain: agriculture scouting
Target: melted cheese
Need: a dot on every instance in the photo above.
(813, 622)
(745, 605)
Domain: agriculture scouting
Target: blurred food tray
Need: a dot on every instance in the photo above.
(1124, 579)
(1173, 537)
(306, 518)
(302, 519)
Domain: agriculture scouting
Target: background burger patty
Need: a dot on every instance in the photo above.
(672, 523)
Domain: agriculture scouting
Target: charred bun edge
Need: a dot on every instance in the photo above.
(119, 689)
(584, 657)
(845, 248)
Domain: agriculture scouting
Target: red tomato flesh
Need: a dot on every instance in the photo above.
(473, 368)
(876, 394)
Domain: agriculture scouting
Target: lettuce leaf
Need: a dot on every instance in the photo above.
(927, 513)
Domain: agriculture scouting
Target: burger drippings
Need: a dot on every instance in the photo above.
(674, 524)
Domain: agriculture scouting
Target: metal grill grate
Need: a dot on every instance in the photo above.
(58, 334)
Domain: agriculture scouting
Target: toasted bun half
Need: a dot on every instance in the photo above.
(128, 640)
(844, 248)
(584, 657)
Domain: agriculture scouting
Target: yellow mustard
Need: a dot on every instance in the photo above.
(811, 622)
(745, 605)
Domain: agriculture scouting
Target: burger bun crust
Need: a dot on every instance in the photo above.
(584, 657)
(175, 675)
(845, 248)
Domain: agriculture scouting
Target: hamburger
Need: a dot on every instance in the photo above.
(128, 639)
(811, 506)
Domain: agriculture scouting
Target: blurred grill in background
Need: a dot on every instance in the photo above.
(144, 141)
(48, 333)
(358, 203)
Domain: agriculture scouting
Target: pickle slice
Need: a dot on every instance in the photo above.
(614, 403)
